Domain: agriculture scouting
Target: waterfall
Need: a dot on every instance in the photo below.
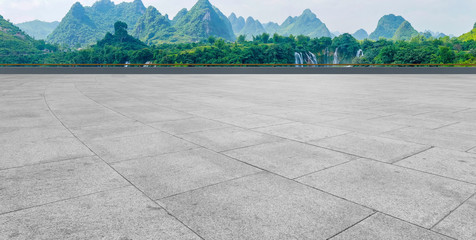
(336, 57)
(360, 53)
(127, 62)
(148, 62)
(312, 58)
(299, 59)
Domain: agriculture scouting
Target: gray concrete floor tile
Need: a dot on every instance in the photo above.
(253, 121)
(377, 148)
(137, 146)
(365, 126)
(419, 198)
(40, 184)
(121, 129)
(264, 206)
(448, 163)
(227, 138)
(415, 121)
(302, 132)
(460, 224)
(170, 174)
(443, 139)
(117, 214)
(288, 158)
(462, 127)
(31, 134)
(188, 125)
(383, 227)
(17, 154)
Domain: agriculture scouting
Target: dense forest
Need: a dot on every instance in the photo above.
(120, 47)
(106, 33)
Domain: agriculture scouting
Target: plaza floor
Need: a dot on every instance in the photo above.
(348, 157)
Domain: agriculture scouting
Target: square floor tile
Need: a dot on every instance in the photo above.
(381, 226)
(443, 139)
(19, 154)
(188, 125)
(448, 163)
(253, 121)
(264, 206)
(138, 146)
(417, 197)
(302, 132)
(117, 214)
(228, 138)
(288, 158)
(35, 185)
(460, 224)
(170, 174)
(381, 149)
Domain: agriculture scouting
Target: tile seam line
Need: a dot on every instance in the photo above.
(416, 225)
(63, 200)
(452, 211)
(49, 162)
(351, 226)
(46, 102)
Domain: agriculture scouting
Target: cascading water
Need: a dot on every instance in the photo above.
(148, 62)
(299, 59)
(312, 58)
(336, 57)
(360, 53)
(127, 62)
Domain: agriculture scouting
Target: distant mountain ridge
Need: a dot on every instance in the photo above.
(85, 25)
(38, 29)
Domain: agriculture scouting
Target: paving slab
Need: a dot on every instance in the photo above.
(288, 158)
(462, 127)
(416, 197)
(377, 148)
(188, 125)
(443, 139)
(264, 206)
(17, 154)
(117, 214)
(31, 134)
(107, 130)
(138, 146)
(170, 174)
(384, 227)
(365, 126)
(224, 139)
(302, 132)
(460, 224)
(448, 163)
(311, 117)
(415, 121)
(40, 184)
(253, 121)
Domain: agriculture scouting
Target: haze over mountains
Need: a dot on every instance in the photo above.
(85, 25)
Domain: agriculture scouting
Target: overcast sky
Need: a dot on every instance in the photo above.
(447, 16)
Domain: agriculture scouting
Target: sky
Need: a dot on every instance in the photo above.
(448, 16)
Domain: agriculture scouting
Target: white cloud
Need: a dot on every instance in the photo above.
(451, 17)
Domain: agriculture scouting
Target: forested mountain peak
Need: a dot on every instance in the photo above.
(360, 34)
(306, 24)
(237, 23)
(387, 26)
(85, 25)
(405, 32)
(38, 29)
(205, 20)
(153, 27)
(252, 28)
